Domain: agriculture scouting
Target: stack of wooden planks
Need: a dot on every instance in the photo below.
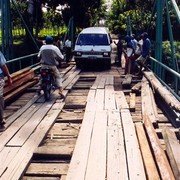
(21, 81)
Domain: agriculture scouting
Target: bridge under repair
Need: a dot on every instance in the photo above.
(110, 126)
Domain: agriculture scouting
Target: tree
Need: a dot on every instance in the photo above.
(138, 12)
(81, 10)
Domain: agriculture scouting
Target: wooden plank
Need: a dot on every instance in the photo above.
(134, 159)
(116, 156)
(102, 82)
(167, 95)
(65, 129)
(110, 103)
(154, 104)
(161, 159)
(71, 117)
(97, 152)
(73, 102)
(148, 160)
(63, 177)
(22, 158)
(15, 115)
(99, 99)
(127, 81)
(39, 178)
(132, 102)
(19, 90)
(173, 151)
(77, 168)
(46, 169)
(121, 102)
(22, 135)
(6, 156)
(54, 150)
(136, 88)
(110, 80)
(70, 85)
(66, 70)
(70, 79)
(9, 133)
(17, 74)
(147, 104)
(91, 106)
(18, 82)
(96, 83)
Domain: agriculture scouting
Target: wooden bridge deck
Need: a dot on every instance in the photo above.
(110, 132)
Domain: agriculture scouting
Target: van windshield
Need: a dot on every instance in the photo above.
(92, 39)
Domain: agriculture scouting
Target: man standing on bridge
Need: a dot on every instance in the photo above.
(3, 71)
(146, 47)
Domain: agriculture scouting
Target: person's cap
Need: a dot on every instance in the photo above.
(49, 39)
(145, 35)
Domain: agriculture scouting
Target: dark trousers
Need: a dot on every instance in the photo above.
(1, 108)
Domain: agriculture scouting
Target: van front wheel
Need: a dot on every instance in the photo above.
(108, 64)
(79, 64)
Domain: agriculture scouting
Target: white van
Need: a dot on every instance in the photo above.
(93, 44)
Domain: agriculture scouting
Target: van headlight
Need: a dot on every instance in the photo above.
(77, 53)
(106, 54)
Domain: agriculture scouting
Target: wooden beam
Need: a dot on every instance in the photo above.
(121, 102)
(20, 121)
(147, 103)
(136, 88)
(148, 159)
(110, 80)
(165, 94)
(20, 80)
(23, 134)
(110, 103)
(18, 113)
(132, 103)
(96, 165)
(173, 150)
(47, 169)
(161, 159)
(96, 83)
(116, 155)
(134, 158)
(77, 167)
(19, 90)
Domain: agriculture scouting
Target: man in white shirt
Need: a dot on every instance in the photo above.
(50, 56)
(3, 71)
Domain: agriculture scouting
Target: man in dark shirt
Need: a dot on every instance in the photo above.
(146, 46)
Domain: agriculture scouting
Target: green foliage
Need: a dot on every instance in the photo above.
(140, 16)
(167, 49)
(83, 11)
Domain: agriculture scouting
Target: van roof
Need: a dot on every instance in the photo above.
(94, 30)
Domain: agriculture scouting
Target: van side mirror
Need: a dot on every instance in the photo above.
(110, 40)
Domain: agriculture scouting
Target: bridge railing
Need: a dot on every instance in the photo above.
(22, 62)
(173, 76)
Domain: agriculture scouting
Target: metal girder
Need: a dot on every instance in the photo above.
(175, 6)
(6, 29)
(159, 32)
